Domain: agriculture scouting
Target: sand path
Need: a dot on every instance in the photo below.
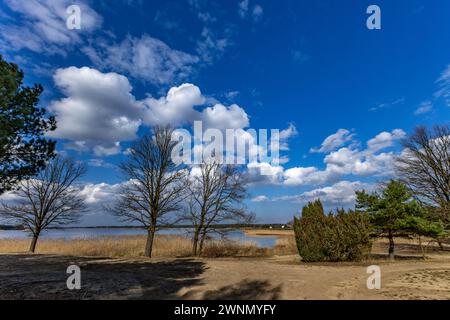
(44, 276)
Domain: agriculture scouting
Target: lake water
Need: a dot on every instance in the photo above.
(87, 233)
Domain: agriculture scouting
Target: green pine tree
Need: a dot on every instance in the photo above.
(23, 148)
(393, 211)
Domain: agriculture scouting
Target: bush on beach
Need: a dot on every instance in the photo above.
(343, 236)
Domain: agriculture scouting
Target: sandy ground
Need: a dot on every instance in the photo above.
(44, 277)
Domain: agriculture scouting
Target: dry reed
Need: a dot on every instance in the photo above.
(133, 246)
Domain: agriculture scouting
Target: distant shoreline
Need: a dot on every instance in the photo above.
(275, 226)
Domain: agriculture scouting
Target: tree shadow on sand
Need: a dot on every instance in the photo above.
(398, 257)
(246, 290)
(44, 277)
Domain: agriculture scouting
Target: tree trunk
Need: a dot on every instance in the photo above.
(441, 246)
(391, 246)
(149, 244)
(421, 247)
(34, 242)
(202, 242)
(195, 241)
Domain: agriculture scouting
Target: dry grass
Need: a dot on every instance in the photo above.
(170, 246)
(285, 246)
(268, 232)
(133, 246)
(227, 248)
(409, 246)
(126, 246)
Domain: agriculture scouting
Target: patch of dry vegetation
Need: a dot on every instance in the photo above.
(226, 248)
(124, 246)
(409, 246)
(170, 246)
(268, 232)
(133, 246)
(285, 246)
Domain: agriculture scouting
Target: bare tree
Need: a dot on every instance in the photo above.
(424, 167)
(49, 199)
(156, 184)
(216, 193)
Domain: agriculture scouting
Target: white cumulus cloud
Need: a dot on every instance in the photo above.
(334, 141)
(40, 25)
(99, 110)
(339, 194)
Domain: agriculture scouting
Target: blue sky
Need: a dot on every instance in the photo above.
(343, 94)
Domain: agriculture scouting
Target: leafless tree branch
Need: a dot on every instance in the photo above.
(424, 167)
(156, 186)
(216, 195)
(49, 199)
